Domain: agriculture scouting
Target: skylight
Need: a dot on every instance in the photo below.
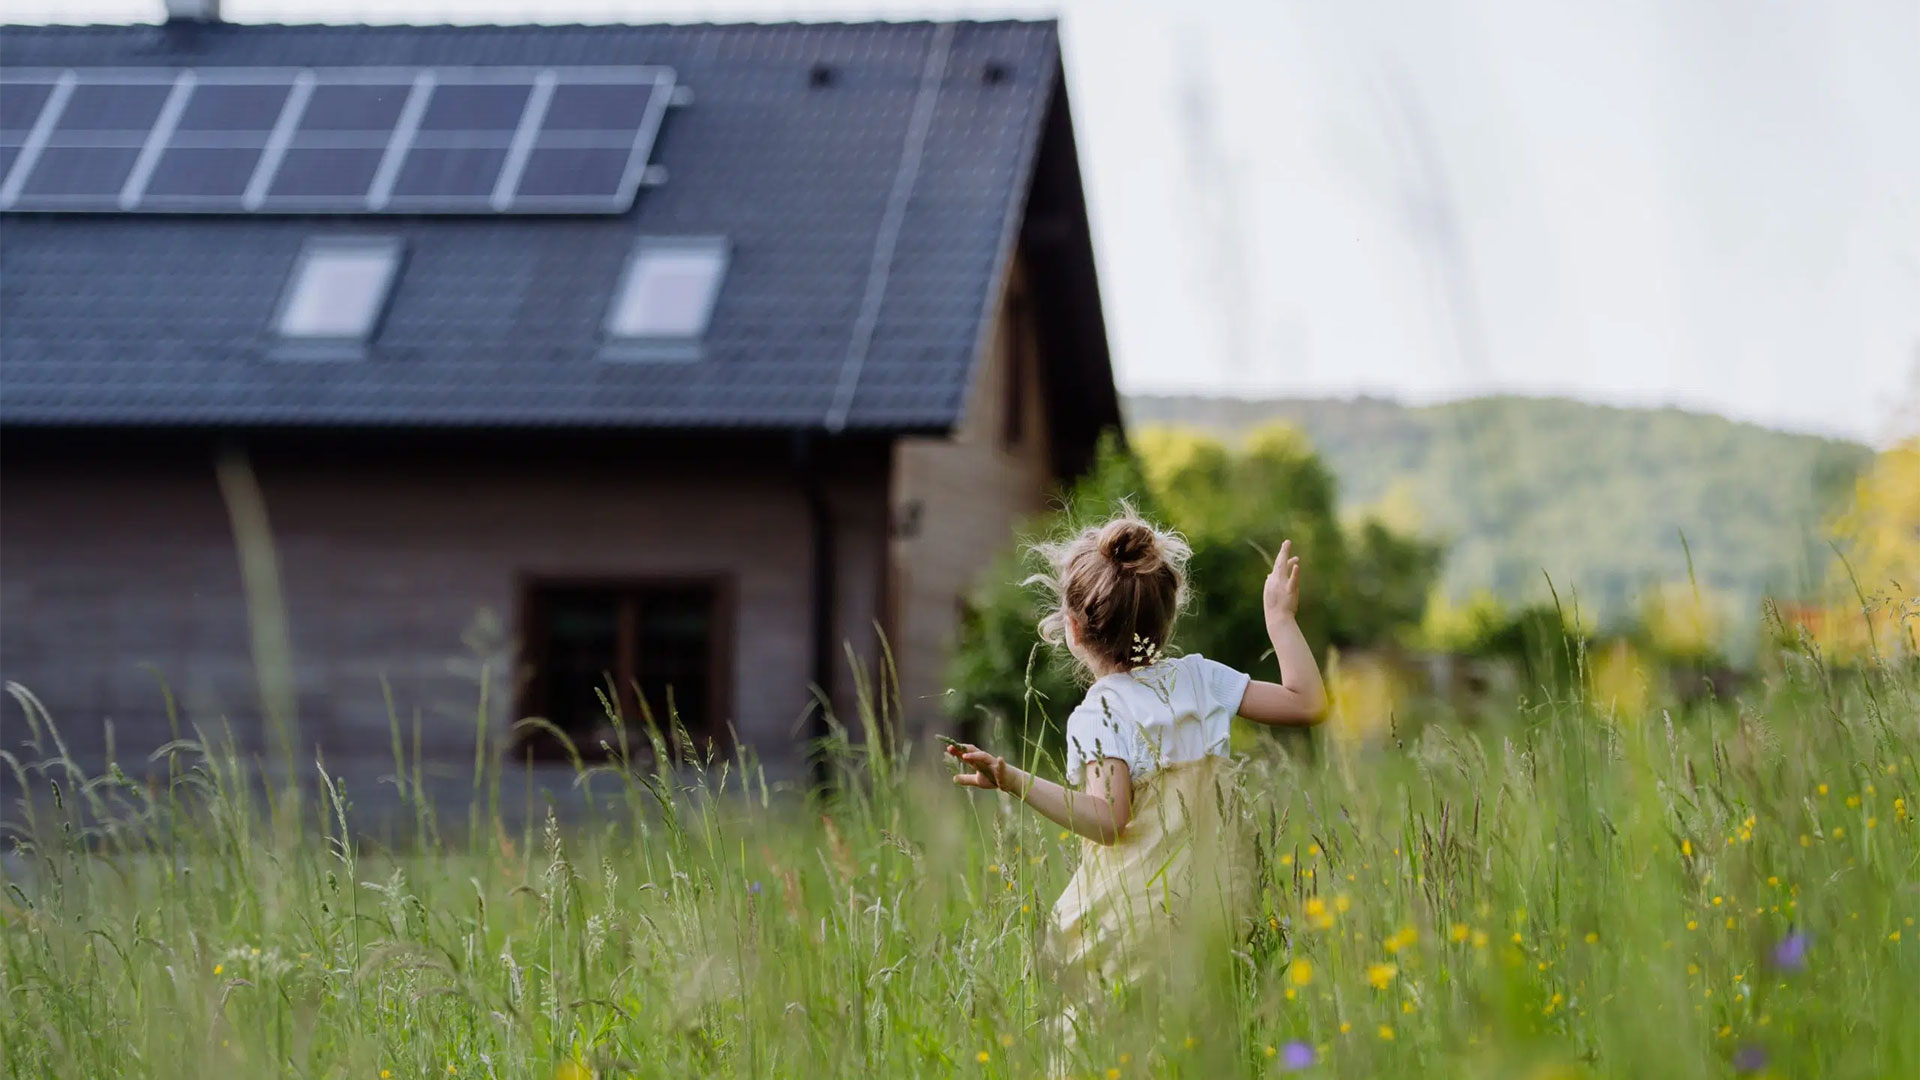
(667, 295)
(339, 289)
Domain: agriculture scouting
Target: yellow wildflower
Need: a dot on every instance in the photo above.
(1386, 1032)
(1459, 932)
(1593, 938)
(1301, 971)
(1381, 974)
(983, 1057)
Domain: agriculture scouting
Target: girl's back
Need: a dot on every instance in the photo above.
(1167, 713)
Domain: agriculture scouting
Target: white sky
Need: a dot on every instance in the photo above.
(1713, 203)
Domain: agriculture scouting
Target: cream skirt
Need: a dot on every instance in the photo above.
(1177, 885)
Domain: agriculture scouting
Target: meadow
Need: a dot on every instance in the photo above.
(1587, 886)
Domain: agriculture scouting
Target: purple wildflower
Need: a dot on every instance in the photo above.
(1750, 1058)
(1296, 1055)
(754, 888)
(1791, 953)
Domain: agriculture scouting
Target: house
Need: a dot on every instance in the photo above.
(682, 360)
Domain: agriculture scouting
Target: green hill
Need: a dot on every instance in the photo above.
(1595, 496)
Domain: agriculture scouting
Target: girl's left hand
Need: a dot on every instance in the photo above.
(989, 772)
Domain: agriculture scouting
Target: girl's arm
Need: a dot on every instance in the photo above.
(1299, 697)
(1100, 813)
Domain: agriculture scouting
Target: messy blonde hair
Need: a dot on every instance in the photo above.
(1122, 583)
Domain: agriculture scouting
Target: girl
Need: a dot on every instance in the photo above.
(1149, 747)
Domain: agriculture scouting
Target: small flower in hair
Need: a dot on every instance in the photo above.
(1145, 652)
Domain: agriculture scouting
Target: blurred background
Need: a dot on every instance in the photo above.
(1541, 320)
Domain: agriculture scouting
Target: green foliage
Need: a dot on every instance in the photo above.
(1234, 505)
(1597, 497)
(1567, 892)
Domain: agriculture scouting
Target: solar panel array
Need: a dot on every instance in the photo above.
(329, 140)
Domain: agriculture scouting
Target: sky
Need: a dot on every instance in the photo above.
(1713, 204)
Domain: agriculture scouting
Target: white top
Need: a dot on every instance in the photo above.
(1167, 713)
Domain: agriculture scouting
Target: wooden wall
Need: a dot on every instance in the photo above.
(958, 502)
(400, 566)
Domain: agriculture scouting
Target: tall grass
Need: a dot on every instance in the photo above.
(1575, 891)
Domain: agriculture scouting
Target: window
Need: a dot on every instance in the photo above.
(1020, 368)
(666, 297)
(339, 289)
(635, 643)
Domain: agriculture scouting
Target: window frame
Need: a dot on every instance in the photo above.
(531, 685)
(324, 346)
(665, 347)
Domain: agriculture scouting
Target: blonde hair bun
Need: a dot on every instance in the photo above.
(1131, 545)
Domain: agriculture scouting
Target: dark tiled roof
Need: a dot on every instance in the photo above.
(130, 319)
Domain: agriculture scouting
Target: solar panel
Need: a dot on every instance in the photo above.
(234, 109)
(482, 108)
(333, 140)
(323, 177)
(80, 177)
(127, 107)
(560, 172)
(355, 106)
(201, 176)
(431, 176)
(20, 104)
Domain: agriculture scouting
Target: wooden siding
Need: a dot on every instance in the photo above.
(957, 503)
(119, 570)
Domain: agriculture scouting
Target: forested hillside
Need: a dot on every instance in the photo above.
(1596, 496)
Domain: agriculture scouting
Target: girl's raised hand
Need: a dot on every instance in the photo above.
(1282, 594)
(989, 772)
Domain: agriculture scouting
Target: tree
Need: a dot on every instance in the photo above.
(1875, 580)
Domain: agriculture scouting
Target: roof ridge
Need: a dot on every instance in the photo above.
(744, 24)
